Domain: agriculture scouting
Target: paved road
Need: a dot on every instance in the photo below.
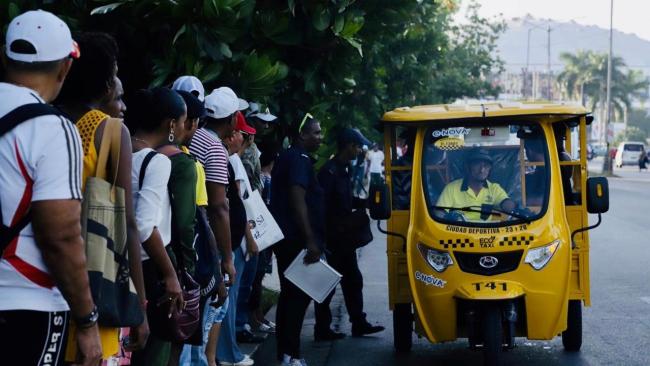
(616, 327)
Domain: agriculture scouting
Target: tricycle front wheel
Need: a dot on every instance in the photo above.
(572, 336)
(492, 327)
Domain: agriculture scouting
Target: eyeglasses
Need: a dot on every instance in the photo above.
(304, 119)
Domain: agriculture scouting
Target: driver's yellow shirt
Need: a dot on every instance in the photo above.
(458, 194)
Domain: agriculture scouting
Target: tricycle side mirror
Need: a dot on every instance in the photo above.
(597, 195)
(379, 201)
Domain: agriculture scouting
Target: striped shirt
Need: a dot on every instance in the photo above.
(209, 151)
(40, 160)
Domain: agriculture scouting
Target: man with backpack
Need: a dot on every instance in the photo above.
(43, 274)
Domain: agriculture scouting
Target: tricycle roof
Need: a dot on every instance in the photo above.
(477, 110)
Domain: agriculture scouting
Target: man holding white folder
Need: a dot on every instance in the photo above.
(297, 206)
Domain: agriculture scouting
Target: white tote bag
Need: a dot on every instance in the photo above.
(264, 228)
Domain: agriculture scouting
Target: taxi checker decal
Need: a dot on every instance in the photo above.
(458, 243)
(449, 143)
(516, 240)
(429, 280)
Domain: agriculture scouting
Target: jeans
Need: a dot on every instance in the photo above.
(195, 355)
(227, 348)
(247, 278)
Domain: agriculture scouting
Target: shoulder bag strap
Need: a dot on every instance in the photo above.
(110, 145)
(24, 113)
(171, 150)
(7, 123)
(249, 189)
(143, 167)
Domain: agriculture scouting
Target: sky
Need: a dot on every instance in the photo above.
(630, 16)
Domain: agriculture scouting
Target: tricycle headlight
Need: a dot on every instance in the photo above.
(538, 258)
(437, 259)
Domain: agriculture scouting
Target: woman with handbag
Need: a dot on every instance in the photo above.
(182, 195)
(150, 128)
(92, 97)
(173, 326)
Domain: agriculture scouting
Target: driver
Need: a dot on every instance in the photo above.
(474, 190)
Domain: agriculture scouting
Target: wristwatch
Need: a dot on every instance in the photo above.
(89, 320)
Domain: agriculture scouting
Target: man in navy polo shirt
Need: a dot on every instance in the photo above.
(297, 206)
(343, 229)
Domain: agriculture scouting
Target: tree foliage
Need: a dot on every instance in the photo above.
(345, 61)
(641, 119)
(631, 133)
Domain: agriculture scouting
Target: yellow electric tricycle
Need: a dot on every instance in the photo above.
(486, 208)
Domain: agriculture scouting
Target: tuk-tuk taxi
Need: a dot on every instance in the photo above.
(486, 208)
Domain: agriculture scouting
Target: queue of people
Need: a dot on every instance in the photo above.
(177, 260)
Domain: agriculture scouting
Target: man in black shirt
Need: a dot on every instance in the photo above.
(297, 206)
(345, 233)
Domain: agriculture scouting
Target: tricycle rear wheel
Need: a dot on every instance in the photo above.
(492, 328)
(572, 336)
(403, 327)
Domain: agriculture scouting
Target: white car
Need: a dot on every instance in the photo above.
(628, 153)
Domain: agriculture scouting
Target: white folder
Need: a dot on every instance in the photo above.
(316, 280)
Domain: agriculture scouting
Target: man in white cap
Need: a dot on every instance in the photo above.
(190, 84)
(43, 266)
(259, 118)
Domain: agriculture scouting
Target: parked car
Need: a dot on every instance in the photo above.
(628, 153)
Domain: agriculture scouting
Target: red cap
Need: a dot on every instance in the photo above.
(242, 126)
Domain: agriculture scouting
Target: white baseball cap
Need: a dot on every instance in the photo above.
(243, 104)
(221, 103)
(45, 32)
(256, 112)
(190, 84)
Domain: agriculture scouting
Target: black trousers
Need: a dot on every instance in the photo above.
(292, 304)
(345, 262)
(33, 338)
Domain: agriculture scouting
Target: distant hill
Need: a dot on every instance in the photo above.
(566, 37)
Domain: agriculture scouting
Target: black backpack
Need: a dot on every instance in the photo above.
(7, 123)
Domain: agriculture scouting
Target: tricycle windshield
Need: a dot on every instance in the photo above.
(486, 174)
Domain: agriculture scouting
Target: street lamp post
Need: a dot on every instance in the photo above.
(548, 65)
(607, 168)
(527, 71)
(527, 63)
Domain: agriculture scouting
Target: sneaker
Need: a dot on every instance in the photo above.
(290, 361)
(269, 323)
(359, 330)
(246, 361)
(265, 328)
(246, 336)
(328, 335)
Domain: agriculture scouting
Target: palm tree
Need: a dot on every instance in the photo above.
(576, 73)
(585, 75)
